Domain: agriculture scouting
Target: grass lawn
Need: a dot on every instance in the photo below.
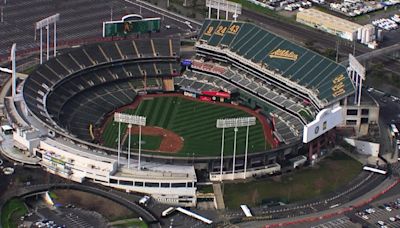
(53, 195)
(132, 223)
(205, 188)
(331, 173)
(194, 121)
(11, 211)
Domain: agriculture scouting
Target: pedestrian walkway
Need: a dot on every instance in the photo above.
(8, 150)
(363, 159)
(218, 196)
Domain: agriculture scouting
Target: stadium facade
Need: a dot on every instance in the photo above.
(65, 97)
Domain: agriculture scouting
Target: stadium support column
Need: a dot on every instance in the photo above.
(222, 154)
(14, 76)
(140, 145)
(55, 39)
(218, 11)
(41, 46)
(48, 41)
(129, 144)
(234, 152)
(209, 12)
(119, 143)
(356, 78)
(359, 90)
(226, 15)
(235, 15)
(245, 152)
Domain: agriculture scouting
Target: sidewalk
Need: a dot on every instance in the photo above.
(218, 196)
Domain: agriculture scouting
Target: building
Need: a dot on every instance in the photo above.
(329, 23)
(359, 117)
(165, 183)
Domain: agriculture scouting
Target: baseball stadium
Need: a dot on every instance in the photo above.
(239, 71)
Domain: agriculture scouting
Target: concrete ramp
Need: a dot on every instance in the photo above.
(219, 198)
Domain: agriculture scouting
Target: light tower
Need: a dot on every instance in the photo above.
(235, 123)
(130, 120)
(45, 23)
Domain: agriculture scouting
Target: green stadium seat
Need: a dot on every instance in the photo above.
(219, 33)
(234, 29)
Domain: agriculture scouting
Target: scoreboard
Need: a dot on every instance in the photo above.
(127, 27)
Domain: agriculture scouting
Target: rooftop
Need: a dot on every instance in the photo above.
(158, 172)
(78, 150)
(328, 20)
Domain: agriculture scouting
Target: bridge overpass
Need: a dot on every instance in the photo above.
(147, 216)
(395, 49)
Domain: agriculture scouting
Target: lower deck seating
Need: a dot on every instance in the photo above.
(90, 106)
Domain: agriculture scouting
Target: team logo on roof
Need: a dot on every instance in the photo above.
(338, 85)
(283, 54)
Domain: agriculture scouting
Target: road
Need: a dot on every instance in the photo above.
(80, 22)
(389, 112)
(142, 212)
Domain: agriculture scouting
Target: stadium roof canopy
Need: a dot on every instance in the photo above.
(325, 78)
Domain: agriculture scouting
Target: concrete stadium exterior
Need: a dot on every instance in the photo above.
(169, 179)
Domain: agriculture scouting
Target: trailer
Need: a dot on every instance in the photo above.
(375, 170)
(193, 215)
(246, 210)
(167, 212)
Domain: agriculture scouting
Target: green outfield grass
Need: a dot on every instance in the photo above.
(194, 121)
(11, 211)
(130, 223)
(331, 173)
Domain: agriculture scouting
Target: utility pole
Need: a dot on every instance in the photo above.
(337, 50)
(2, 14)
(111, 12)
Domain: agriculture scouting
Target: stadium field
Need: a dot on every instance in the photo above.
(193, 121)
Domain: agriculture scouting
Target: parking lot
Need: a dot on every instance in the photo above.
(70, 217)
(343, 222)
(382, 214)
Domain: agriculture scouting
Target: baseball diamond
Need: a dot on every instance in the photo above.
(194, 122)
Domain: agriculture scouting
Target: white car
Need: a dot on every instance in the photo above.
(365, 217)
(381, 223)
(370, 210)
(388, 209)
(144, 200)
(392, 219)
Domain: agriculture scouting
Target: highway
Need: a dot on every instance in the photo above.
(80, 22)
(164, 12)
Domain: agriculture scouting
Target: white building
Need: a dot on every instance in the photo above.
(329, 23)
(165, 183)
